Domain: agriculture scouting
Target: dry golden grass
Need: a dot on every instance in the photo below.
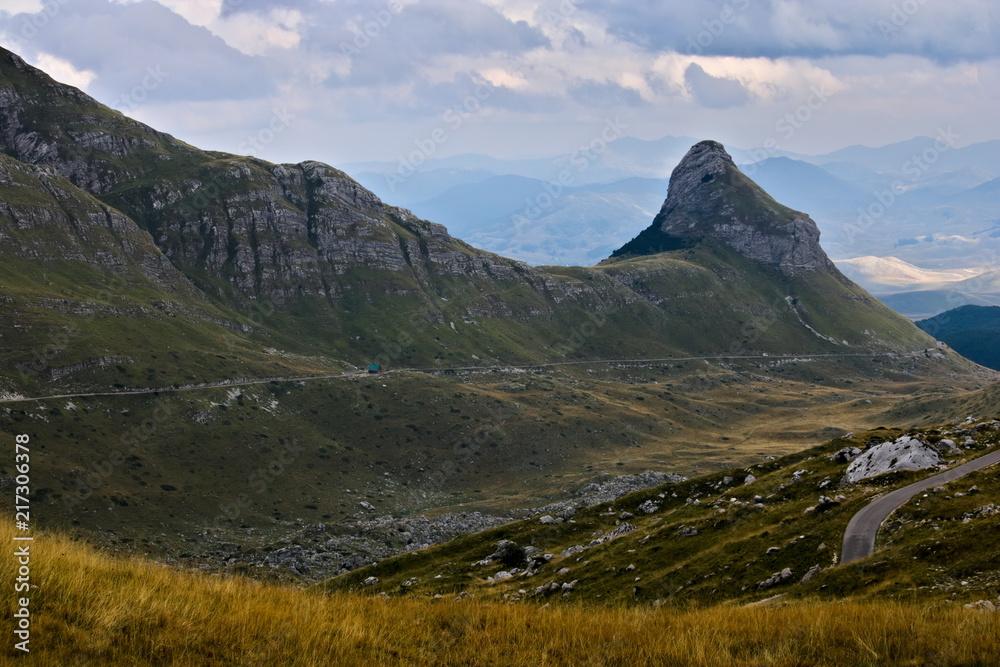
(90, 609)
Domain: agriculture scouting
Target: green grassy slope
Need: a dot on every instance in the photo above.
(264, 240)
(86, 293)
(715, 538)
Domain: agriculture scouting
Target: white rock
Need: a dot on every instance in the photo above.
(648, 507)
(904, 453)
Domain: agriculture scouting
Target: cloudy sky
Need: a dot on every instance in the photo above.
(351, 80)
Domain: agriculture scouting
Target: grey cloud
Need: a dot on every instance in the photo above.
(712, 91)
(390, 45)
(122, 42)
(604, 95)
(946, 32)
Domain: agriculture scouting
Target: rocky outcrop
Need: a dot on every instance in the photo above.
(309, 255)
(904, 453)
(709, 197)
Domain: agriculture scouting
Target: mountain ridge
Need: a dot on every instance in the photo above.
(329, 257)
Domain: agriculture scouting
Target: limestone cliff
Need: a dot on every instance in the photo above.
(709, 197)
(322, 266)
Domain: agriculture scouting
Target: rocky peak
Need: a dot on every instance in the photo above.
(694, 178)
(709, 197)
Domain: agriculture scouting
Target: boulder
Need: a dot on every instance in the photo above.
(649, 507)
(775, 579)
(846, 455)
(813, 571)
(904, 453)
(948, 447)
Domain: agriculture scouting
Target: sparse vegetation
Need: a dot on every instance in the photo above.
(89, 609)
(740, 535)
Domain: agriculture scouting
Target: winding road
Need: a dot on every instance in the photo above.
(360, 373)
(859, 538)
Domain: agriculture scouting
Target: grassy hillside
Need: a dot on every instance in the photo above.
(408, 442)
(316, 265)
(973, 331)
(719, 538)
(88, 609)
(90, 301)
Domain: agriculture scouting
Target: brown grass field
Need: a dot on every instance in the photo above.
(91, 609)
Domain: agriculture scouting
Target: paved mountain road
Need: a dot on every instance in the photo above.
(859, 538)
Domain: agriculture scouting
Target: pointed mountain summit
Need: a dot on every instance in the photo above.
(709, 197)
(302, 258)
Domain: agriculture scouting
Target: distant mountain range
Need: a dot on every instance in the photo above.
(139, 274)
(923, 202)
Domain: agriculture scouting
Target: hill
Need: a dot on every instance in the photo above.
(217, 374)
(93, 609)
(323, 267)
(741, 536)
(973, 331)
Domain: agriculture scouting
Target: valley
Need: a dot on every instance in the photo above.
(262, 387)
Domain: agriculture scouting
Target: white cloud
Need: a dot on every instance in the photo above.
(63, 70)
(196, 12)
(21, 6)
(255, 34)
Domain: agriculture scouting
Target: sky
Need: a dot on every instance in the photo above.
(352, 80)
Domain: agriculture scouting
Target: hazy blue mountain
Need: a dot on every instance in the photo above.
(922, 304)
(807, 187)
(920, 200)
(541, 222)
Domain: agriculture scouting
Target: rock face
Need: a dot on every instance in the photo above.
(709, 197)
(904, 453)
(256, 230)
(315, 260)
